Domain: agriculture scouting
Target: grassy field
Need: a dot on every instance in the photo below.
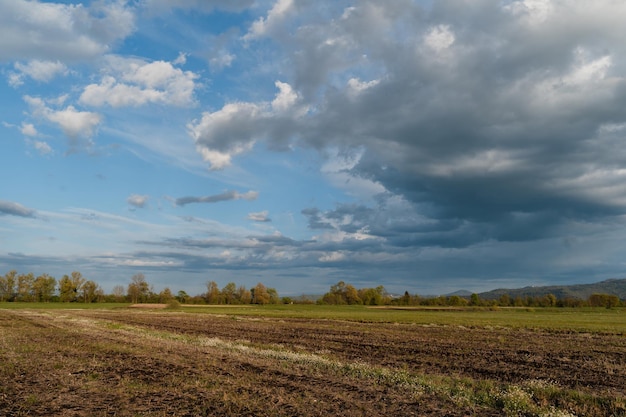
(113, 360)
(567, 319)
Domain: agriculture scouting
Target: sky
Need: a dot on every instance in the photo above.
(424, 146)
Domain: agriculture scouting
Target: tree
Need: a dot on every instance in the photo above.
(405, 300)
(70, 286)
(352, 296)
(603, 300)
(229, 293)
(44, 287)
(7, 286)
(274, 298)
(166, 296)
(89, 291)
(373, 296)
(336, 295)
(119, 293)
(182, 297)
(505, 300)
(456, 301)
(138, 289)
(260, 294)
(25, 287)
(475, 300)
(66, 289)
(549, 300)
(244, 295)
(213, 293)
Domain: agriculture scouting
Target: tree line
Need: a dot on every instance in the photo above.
(74, 287)
(342, 293)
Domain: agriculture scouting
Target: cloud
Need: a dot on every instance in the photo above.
(42, 71)
(132, 82)
(472, 118)
(137, 200)
(33, 30)
(261, 216)
(202, 5)
(233, 130)
(275, 16)
(42, 147)
(77, 125)
(28, 129)
(15, 209)
(226, 196)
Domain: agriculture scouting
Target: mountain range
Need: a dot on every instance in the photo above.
(580, 291)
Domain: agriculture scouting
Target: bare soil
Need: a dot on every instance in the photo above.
(138, 362)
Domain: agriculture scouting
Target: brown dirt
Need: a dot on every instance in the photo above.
(571, 360)
(91, 363)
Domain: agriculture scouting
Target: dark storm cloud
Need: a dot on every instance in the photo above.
(503, 120)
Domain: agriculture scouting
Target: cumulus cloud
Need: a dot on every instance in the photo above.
(132, 82)
(225, 196)
(34, 30)
(261, 216)
(137, 200)
(42, 71)
(275, 16)
(233, 130)
(28, 129)
(77, 125)
(15, 209)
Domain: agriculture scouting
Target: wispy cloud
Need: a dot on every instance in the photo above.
(226, 196)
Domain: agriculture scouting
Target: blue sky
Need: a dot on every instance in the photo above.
(423, 146)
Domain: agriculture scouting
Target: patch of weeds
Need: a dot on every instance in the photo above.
(515, 401)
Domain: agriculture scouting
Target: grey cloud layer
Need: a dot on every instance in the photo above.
(503, 120)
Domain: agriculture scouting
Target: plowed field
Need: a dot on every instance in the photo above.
(134, 362)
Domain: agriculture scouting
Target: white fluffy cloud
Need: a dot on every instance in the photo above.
(133, 82)
(137, 200)
(53, 31)
(233, 130)
(75, 124)
(28, 129)
(42, 71)
(277, 14)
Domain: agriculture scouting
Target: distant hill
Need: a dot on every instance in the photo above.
(580, 291)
